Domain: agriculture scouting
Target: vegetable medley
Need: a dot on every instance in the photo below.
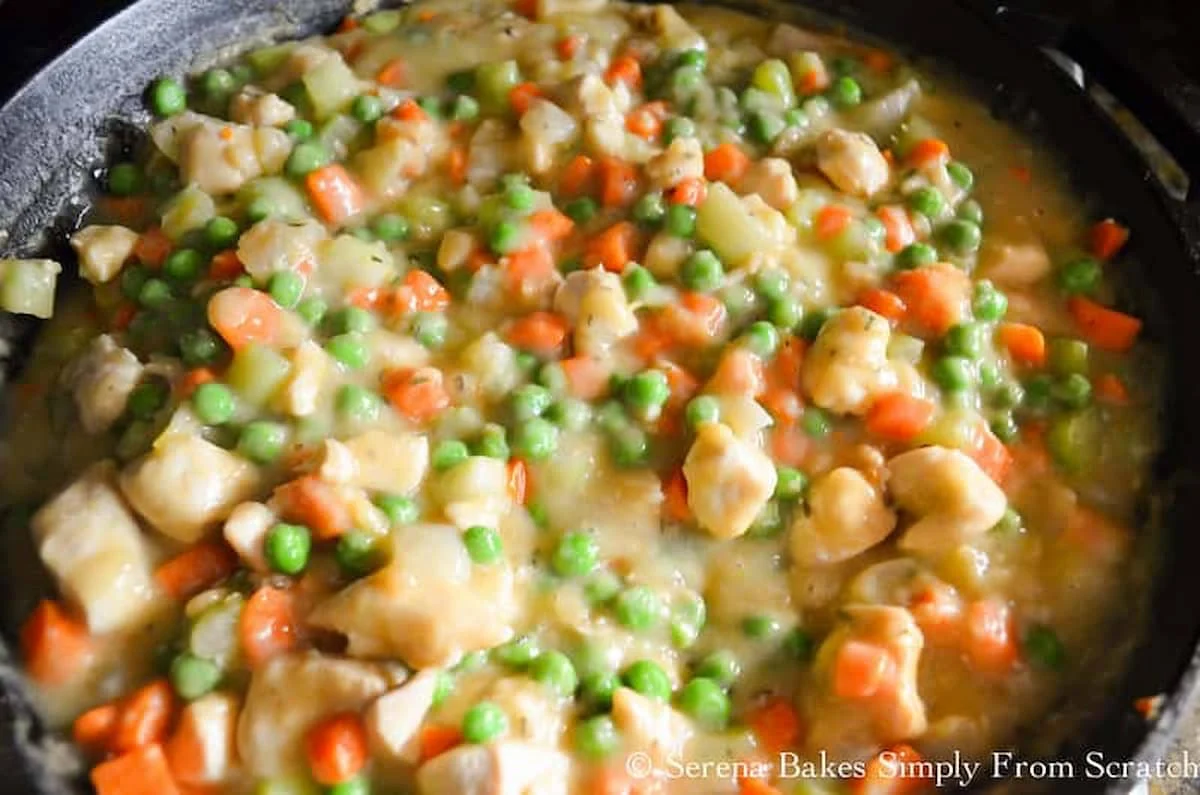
(472, 398)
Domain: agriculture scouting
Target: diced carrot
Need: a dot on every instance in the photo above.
(675, 497)
(225, 266)
(776, 724)
(613, 780)
(1103, 327)
(186, 751)
(568, 46)
(372, 298)
(54, 646)
(93, 730)
(267, 625)
(577, 176)
(624, 69)
(862, 670)
(526, 8)
(347, 24)
(1107, 238)
(726, 163)
(681, 383)
(654, 335)
(522, 95)
(935, 295)
(435, 739)
(879, 61)
(142, 771)
(885, 776)
(646, 121)
(146, 716)
(695, 318)
(518, 480)
(456, 165)
(739, 372)
(883, 302)
(785, 367)
(898, 226)
(789, 445)
(990, 453)
(587, 378)
(690, 191)
(612, 249)
(1148, 707)
(1025, 343)
(813, 81)
(755, 786)
(618, 182)
(428, 294)
(317, 504)
(409, 110)
(152, 247)
(1111, 389)
(1095, 533)
(782, 403)
(417, 394)
(243, 315)
(937, 610)
(899, 416)
(196, 569)
(550, 225)
(529, 266)
(335, 194)
(1022, 174)
(124, 315)
(393, 74)
(125, 210)
(336, 748)
(540, 332)
(928, 150)
(831, 220)
(990, 636)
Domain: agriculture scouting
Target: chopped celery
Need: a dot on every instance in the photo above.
(331, 86)
(493, 82)
(257, 372)
(724, 223)
(268, 59)
(773, 77)
(191, 209)
(27, 286)
(214, 633)
(428, 216)
(954, 428)
(337, 134)
(382, 21)
(1074, 439)
(275, 197)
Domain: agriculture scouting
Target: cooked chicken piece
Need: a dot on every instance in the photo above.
(186, 484)
(218, 157)
(387, 461)
(846, 516)
(852, 162)
(428, 606)
(772, 179)
(535, 712)
(101, 379)
(953, 499)
(729, 480)
(506, 767)
(491, 152)
(102, 250)
(666, 254)
(847, 367)
(455, 249)
(745, 417)
(394, 718)
(291, 693)
(311, 368)
(682, 159)
(246, 531)
(493, 362)
(1014, 264)
(272, 245)
(91, 543)
(595, 302)
(545, 127)
(209, 725)
(259, 108)
(649, 725)
(474, 492)
(668, 25)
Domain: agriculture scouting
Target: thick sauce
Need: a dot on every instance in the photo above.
(474, 398)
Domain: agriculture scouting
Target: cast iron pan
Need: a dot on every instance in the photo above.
(58, 129)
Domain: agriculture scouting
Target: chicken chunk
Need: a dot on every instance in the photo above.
(545, 127)
(729, 480)
(246, 531)
(219, 158)
(953, 499)
(772, 179)
(273, 245)
(649, 725)
(846, 516)
(100, 381)
(207, 725)
(259, 108)
(683, 159)
(287, 696)
(595, 302)
(507, 767)
(309, 376)
(534, 711)
(102, 250)
(386, 461)
(1014, 264)
(847, 367)
(852, 162)
(428, 606)
(187, 484)
(474, 492)
(91, 543)
(493, 363)
(394, 718)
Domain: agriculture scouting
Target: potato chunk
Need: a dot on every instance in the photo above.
(394, 718)
(429, 606)
(210, 725)
(953, 499)
(852, 162)
(595, 302)
(186, 484)
(772, 179)
(507, 767)
(846, 516)
(847, 367)
(219, 158)
(91, 543)
(102, 250)
(474, 492)
(682, 159)
(391, 462)
(729, 480)
(101, 380)
(272, 245)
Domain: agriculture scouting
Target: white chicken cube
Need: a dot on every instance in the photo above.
(272, 245)
(953, 499)
(186, 484)
(246, 532)
(394, 718)
(683, 159)
(259, 108)
(772, 180)
(93, 546)
(101, 380)
(312, 367)
(848, 367)
(493, 362)
(596, 303)
(535, 712)
(502, 768)
(729, 480)
(219, 158)
(209, 725)
(650, 725)
(846, 516)
(545, 127)
(386, 461)
(852, 162)
(102, 250)
(474, 492)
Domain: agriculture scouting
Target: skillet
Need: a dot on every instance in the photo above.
(58, 129)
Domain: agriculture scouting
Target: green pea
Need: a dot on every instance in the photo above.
(678, 127)
(492, 442)
(648, 678)
(815, 422)
(953, 373)
(299, 129)
(596, 737)
(1004, 426)
(349, 349)
(199, 347)
(685, 82)
(570, 414)
(772, 284)
(358, 785)
(529, 401)
(390, 227)
(960, 174)
(262, 441)
(464, 108)
(471, 661)
(649, 209)
(688, 618)
(192, 676)
(1006, 395)
(760, 627)
(915, 255)
(357, 403)
(966, 340)
(484, 722)
(638, 608)
(442, 688)
(183, 265)
(483, 544)
(312, 310)
(1037, 393)
(306, 157)
(814, 321)
(581, 210)
(431, 105)
(125, 179)
(213, 403)
(146, 399)
(554, 670)
(357, 552)
(133, 278)
(1010, 522)
(286, 288)
(430, 329)
(167, 97)
(398, 509)
(1043, 647)
(720, 666)
(638, 282)
(287, 547)
(988, 303)
(1073, 391)
(577, 554)
(520, 198)
(702, 409)
(647, 390)
(597, 688)
(761, 338)
(221, 232)
(972, 211)
(1068, 356)
(764, 126)
(799, 645)
(461, 82)
(692, 59)
(702, 271)
(707, 704)
(785, 313)
(536, 439)
(790, 483)
(629, 446)
(448, 454)
(1080, 276)
(505, 237)
(155, 294)
(353, 320)
(367, 108)
(260, 209)
(845, 92)
(516, 653)
(927, 201)
(218, 83)
(681, 220)
(961, 237)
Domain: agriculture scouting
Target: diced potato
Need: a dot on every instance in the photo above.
(347, 262)
(852, 162)
(493, 362)
(474, 492)
(726, 225)
(274, 245)
(953, 499)
(847, 367)
(649, 725)
(682, 159)
(1014, 264)
(254, 106)
(394, 718)
(387, 168)
(220, 158)
(549, 8)
(186, 484)
(257, 373)
(91, 543)
(501, 768)
(207, 725)
(278, 193)
(27, 286)
(100, 380)
(666, 254)
(545, 127)
(102, 250)
(534, 711)
(455, 249)
(331, 85)
(428, 606)
(596, 304)
(190, 209)
(729, 480)
(287, 696)
(846, 516)
(308, 377)
(672, 30)
(246, 531)
(386, 461)
(772, 180)
(392, 351)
